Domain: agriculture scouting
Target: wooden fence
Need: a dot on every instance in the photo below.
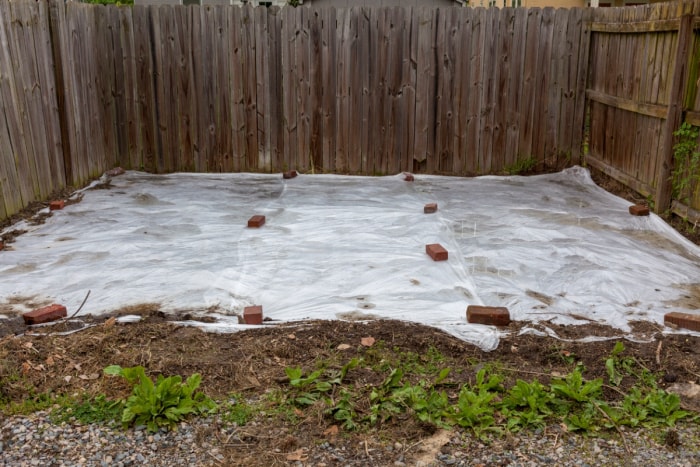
(643, 83)
(363, 90)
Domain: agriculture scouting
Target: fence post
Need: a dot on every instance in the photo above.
(674, 115)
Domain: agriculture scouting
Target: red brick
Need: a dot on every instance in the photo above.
(683, 320)
(408, 177)
(56, 205)
(430, 208)
(290, 174)
(256, 221)
(253, 314)
(490, 315)
(45, 314)
(436, 251)
(115, 171)
(639, 210)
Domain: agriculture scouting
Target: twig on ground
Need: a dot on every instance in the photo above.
(624, 440)
(81, 305)
(658, 353)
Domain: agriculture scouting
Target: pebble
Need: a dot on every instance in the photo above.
(35, 441)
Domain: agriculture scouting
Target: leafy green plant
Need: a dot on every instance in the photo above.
(522, 165)
(237, 410)
(164, 403)
(86, 410)
(474, 408)
(685, 177)
(574, 387)
(527, 405)
(311, 388)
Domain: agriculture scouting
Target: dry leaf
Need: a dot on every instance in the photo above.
(291, 336)
(49, 360)
(367, 341)
(110, 322)
(298, 455)
(93, 376)
(26, 367)
(28, 345)
(556, 374)
(331, 430)
(343, 347)
(84, 377)
(67, 378)
(298, 413)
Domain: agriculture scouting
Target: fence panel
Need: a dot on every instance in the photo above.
(364, 90)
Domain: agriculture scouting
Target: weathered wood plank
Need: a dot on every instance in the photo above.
(249, 90)
(580, 106)
(262, 88)
(354, 119)
(302, 91)
(315, 98)
(184, 88)
(342, 91)
(506, 23)
(329, 77)
(462, 41)
(146, 91)
(366, 110)
(651, 110)
(512, 153)
(489, 80)
(237, 60)
(289, 99)
(425, 87)
(444, 122)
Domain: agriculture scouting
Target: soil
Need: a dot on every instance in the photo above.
(251, 363)
(68, 357)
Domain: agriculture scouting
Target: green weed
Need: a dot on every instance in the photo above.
(164, 403)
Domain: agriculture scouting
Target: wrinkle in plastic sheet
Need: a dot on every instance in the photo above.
(550, 248)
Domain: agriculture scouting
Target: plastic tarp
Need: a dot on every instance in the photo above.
(551, 247)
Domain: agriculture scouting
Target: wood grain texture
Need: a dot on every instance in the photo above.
(366, 90)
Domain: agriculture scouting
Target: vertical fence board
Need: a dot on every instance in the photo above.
(315, 108)
(529, 107)
(445, 54)
(503, 58)
(249, 90)
(262, 88)
(542, 83)
(328, 73)
(513, 104)
(476, 89)
(342, 89)
(425, 87)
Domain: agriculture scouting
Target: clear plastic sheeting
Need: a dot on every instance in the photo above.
(549, 248)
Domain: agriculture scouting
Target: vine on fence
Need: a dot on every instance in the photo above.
(686, 163)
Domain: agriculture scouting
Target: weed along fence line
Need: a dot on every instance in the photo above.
(364, 90)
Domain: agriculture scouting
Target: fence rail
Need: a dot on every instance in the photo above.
(364, 90)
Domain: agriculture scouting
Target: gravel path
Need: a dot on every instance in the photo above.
(36, 441)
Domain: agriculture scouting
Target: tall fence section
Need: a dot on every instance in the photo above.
(643, 83)
(364, 90)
